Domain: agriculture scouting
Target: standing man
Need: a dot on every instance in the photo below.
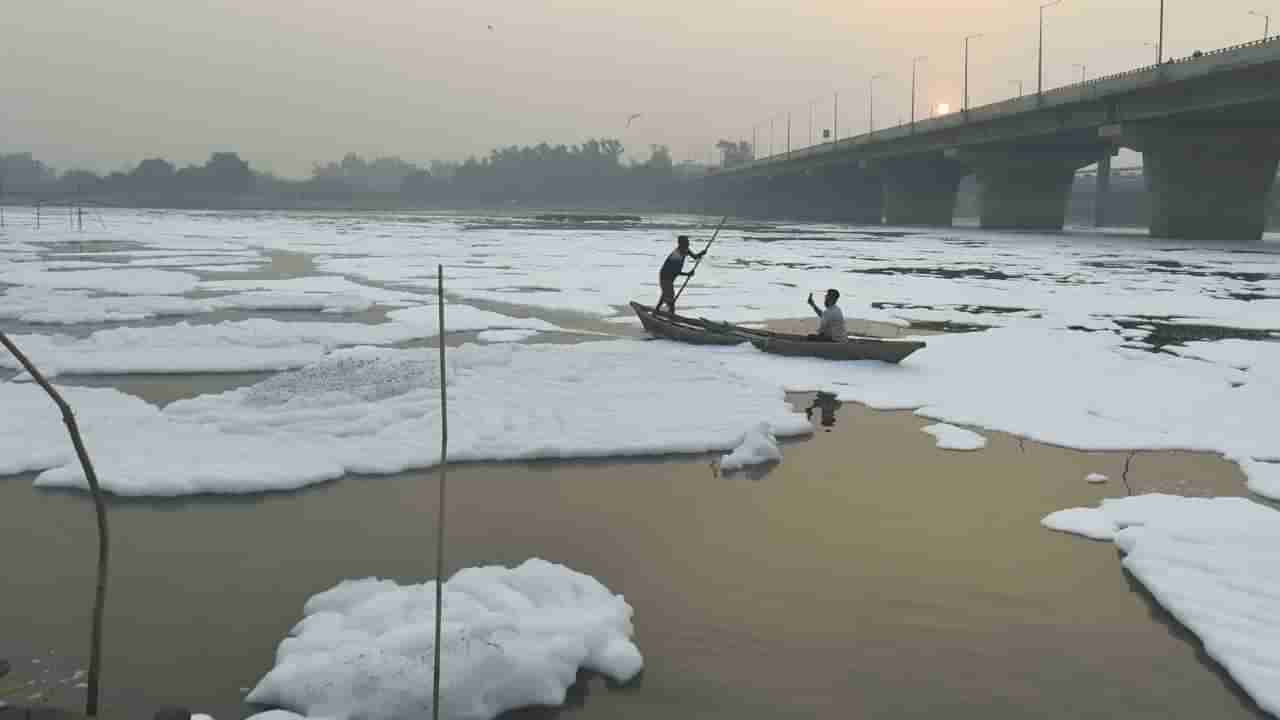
(672, 269)
(831, 320)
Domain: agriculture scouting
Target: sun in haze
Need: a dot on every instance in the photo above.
(942, 109)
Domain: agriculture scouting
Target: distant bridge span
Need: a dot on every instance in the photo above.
(1208, 127)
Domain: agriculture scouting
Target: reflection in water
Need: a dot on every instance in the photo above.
(827, 404)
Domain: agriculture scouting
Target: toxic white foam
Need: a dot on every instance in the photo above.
(368, 410)
(1213, 564)
(512, 637)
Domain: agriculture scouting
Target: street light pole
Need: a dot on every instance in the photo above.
(1160, 46)
(871, 102)
(1266, 22)
(1019, 84)
(914, 62)
(812, 105)
(1040, 68)
(835, 119)
(966, 68)
(1082, 70)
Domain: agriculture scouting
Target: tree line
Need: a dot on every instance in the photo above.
(593, 173)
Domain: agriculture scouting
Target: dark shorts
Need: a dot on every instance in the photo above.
(668, 286)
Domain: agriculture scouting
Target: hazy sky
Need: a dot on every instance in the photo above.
(88, 83)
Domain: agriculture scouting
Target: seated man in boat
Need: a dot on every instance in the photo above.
(672, 269)
(831, 319)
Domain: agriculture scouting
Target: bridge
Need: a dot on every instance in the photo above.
(1208, 127)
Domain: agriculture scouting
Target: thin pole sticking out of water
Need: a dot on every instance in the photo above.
(444, 458)
(104, 544)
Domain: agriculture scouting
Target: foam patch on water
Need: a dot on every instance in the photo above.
(757, 447)
(121, 282)
(257, 344)
(501, 336)
(369, 410)
(950, 437)
(1011, 380)
(512, 638)
(1213, 563)
(67, 307)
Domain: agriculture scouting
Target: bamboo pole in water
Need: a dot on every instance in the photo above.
(104, 545)
(444, 458)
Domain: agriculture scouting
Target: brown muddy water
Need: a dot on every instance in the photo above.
(868, 575)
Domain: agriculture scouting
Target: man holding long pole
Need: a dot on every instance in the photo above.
(673, 268)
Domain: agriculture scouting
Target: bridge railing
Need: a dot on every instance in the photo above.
(990, 109)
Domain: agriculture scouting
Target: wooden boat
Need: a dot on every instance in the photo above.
(855, 348)
(683, 329)
(700, 331)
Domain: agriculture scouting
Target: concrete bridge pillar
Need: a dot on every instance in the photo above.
(1024, 188)
(1206, 183)
(921, 190)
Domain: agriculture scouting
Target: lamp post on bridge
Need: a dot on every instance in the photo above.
(1019, 84)
(1153, 46)
(835, 119)
(1160, 45)
(1083, 71)
(871, 101)
(812, 104)
(1266, 22)
(1040, 68)
(915, 61)
(966, 67)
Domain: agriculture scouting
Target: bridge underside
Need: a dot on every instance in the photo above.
(1206, 182)
(1208, 127)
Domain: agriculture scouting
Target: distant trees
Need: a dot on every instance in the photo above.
(591, 174)
(153, 173)
(21, 172)
(384, 174)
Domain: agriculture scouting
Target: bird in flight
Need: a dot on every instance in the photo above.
(490, 27)
(632, 117)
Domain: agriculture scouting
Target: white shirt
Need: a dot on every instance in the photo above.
(832, 324)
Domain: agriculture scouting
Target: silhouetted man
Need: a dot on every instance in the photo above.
(672, 269)
(831, 320)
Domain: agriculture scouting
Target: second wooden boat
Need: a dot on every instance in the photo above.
(700, 331)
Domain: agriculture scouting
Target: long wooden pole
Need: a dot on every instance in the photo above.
(698, 262)
(444, 459)
(104, 545)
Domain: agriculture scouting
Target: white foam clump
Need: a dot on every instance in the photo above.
(123, 281)
(257, 344)
(512, 637)
(500, 336)
(1096, 478)
(757, 447)
(369, 410)
(950, 437)
(67, 307)
(1004, 380)
(1213, 564)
